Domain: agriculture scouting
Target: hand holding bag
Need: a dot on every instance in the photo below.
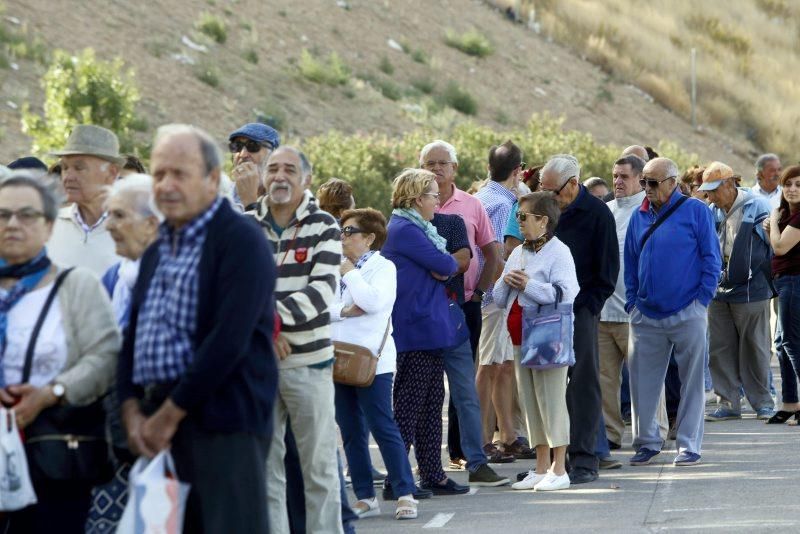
(355, 365)
(16, 489)
(547, 335)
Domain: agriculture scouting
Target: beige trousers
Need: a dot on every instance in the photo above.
(543, 399)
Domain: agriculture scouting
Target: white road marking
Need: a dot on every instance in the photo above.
(473, 490)
(439, 520)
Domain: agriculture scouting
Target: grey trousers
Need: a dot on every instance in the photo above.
(652, 342)
(740, 352)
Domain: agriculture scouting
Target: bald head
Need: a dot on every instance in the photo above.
(660, 168)
(660, 176)
(636, 150)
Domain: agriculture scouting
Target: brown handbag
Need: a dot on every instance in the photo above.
(354, 365)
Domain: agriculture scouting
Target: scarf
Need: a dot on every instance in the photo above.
(29, 274)
(359, 264)
(121, 296)
(430, 230)
(537, 244)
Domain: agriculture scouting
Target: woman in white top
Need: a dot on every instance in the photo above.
(530, 275)
(71, 364)
(361, 314)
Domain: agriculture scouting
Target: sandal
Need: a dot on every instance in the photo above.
(782, 416)
(406, 508)
(367, 508)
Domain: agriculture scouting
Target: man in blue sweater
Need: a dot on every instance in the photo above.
(672, 267)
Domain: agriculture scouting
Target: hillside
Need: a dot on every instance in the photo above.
(255, 71)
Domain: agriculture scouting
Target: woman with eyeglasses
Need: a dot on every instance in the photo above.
(59, 343)
(361, 314)
(422, 324)
(530, 277)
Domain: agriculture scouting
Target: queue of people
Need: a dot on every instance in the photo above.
(180, 310)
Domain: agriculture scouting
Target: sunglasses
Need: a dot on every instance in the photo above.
(434, 195)
(558, 191)
(251, 146)
(652, 184)
(522, 216)
(347, 231)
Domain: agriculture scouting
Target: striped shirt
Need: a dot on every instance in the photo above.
(497, 201)
(308, 253)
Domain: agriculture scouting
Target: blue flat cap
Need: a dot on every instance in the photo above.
(28, 162)
(258, 132)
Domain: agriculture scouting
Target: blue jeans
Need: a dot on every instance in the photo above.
(460, 369)
(788, 288)
(362, 410)
(601, 449)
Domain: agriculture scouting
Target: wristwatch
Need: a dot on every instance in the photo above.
(479, 292)
(59, 391)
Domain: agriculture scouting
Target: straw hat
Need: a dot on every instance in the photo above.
(90, 140)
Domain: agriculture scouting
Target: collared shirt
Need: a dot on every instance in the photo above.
(74, 243)
(479, 231)
(497, 201)
(168, 318)
(732, 223)
(86, 228)
(773, 198)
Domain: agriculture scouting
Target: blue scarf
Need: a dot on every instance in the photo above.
(359, 264)
(430, 230)
(30, 274)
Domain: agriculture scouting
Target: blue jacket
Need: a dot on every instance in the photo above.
(747, 276)
(420, 318)
(679, 263)
(231, 384)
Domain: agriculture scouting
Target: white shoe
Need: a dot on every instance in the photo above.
(367, 508)
(529, 481)
(553, 482)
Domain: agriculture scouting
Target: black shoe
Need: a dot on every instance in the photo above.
(581, 475)
(419, 493)
(781, 416)
(614, 446)
(521, 476)
(449, 488)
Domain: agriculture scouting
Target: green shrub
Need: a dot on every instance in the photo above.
(454, 96)
(472, 43)
(213, 27)
(83, 90)
(251, 55)
(419, 56)
(331, 72)
(207, 73)
(423, 85)
(386, 66)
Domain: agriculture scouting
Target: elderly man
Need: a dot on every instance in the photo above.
(672, 265)
(768, 171)
(586, 226)
(738, 317)
(636, 150)
(307, 246)
(250, 146)
(440, 158)
(197, 372)
(90, 162)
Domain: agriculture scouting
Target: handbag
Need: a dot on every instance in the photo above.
(66, 443)
(355, 365)
(547, 335)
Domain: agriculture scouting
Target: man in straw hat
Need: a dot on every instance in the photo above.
(90, 162)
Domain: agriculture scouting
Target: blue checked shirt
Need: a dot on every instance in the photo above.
(168, 318)
(497, 201)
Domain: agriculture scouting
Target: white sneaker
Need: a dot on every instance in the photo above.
(367, 508)
(529, 481)
(553, 482)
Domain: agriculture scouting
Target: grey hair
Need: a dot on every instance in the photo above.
(763, 159)
(212, 157)
(138, 188)
(566, 165)
(672, 170)
(451, 150)
(594, 181)
(305, 165)
(42, 183)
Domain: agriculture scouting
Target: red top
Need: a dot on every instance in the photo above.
(514, 323)
(789, 263)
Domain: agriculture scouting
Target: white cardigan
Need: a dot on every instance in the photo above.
(372, 288)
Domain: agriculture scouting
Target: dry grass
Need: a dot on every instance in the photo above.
(746, 56)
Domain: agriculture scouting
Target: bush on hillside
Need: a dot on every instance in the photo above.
(472, 43)
(331, 71)
(83, 90)
(213, 27)
(459, 99)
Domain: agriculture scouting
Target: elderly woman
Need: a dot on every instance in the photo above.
(59, 344)
(422, 323)
(335, 196)
(361, 314)
(530, 277)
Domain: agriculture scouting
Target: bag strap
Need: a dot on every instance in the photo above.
(385, 336)
(661, 220)
(26, 369)
(559, 294)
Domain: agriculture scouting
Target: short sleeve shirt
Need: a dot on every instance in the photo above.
(453, 229)
(789, 263)
(479, 231)
(512, 226)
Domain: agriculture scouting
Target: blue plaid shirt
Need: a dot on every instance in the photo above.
(497, 201)
(167, 321)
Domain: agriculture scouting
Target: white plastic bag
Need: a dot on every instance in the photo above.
(156, 498)
(16, 489)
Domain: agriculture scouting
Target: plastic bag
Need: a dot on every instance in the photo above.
(156, 498)
(16, 489)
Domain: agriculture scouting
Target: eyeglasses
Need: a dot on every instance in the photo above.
(347, 231)
(522, 216)
(522, 166)
(558, 191)
(652, 184)
(25, 216)
(433, 164)
(251, 146)
(434, 195)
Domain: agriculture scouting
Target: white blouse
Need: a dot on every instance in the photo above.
(372, 288)
(50, 353)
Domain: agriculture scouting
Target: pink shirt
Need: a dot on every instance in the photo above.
(479, 231)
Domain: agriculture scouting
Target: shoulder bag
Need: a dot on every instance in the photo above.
(355, 365)
(65, 443)
(661, 220)
(547, 335)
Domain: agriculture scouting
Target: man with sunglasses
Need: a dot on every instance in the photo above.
(250, 147)
(672, 267)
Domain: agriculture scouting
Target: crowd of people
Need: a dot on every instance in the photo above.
(187, 311)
